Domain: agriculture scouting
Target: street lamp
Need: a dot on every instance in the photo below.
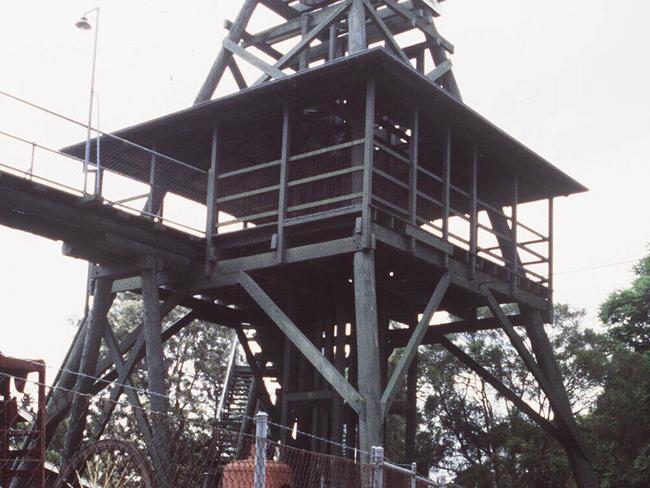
(85, 25)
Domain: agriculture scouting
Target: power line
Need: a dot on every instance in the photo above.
(598, 266)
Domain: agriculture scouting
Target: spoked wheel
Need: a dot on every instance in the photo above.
(106, 464)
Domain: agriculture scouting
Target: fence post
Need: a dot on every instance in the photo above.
(378, 461)
(414, 475)
(261, 432)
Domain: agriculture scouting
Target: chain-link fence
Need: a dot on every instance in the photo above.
(93, 441)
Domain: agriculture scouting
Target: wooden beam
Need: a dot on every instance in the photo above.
(500, 387)
(124, 372)
(293, 53)
(281, 8)
(405, 361)
(212, 194)
(237, 74)
(271, 71)
(368, 363)
(357, 38)
(103, 299)
(419, 23)
(578, 458)
(257, 375)
(400, 337)
(302, 343)
(234, 35)
(284, 180)
(156, 371)
(439, 70)
(564, 419)
(381, 25)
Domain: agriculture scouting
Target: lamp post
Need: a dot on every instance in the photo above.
(84, 24)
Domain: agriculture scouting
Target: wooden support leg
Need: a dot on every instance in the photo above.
(411, 415)
(581, 466)
(58, 401)
(156, 368)
(103, 299)
(365, 293)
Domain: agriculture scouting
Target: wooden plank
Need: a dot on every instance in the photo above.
(250, 58)
(405, 361)
(302, 343)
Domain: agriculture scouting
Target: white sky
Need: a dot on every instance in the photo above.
(568, 78)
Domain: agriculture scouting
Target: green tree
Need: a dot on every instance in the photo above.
(620, 423)
(469, 430)
(627, 312)
(195, 361)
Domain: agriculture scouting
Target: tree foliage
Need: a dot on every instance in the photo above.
(627, 312)
(469, 430)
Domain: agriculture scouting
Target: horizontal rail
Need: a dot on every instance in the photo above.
(328, 201)
(325, 150)
(251, 193)
(392, 152)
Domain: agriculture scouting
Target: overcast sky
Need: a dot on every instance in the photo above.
(568, 78)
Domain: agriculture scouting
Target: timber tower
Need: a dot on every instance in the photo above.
(349, 196)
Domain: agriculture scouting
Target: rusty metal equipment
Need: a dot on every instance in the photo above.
(106, 463)
(22, 423)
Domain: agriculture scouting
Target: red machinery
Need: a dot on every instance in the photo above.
(22, 426)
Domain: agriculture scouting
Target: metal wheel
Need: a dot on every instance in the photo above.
(106, 464)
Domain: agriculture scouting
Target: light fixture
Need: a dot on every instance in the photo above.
(83, 24)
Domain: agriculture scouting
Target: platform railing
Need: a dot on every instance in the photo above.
(140, 181)
(460, 217)
(317, 182)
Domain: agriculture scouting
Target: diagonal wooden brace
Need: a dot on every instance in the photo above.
(405, 361)
(303, 344)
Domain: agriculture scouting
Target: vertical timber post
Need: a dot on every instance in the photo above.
(473, 231)
(411, 414)
(102, 301)
(365, 299)
(513, 234)
(211, 200)
(368, 365)
(284, 177)
(155, 368)
(357, 40)
(446, 186)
